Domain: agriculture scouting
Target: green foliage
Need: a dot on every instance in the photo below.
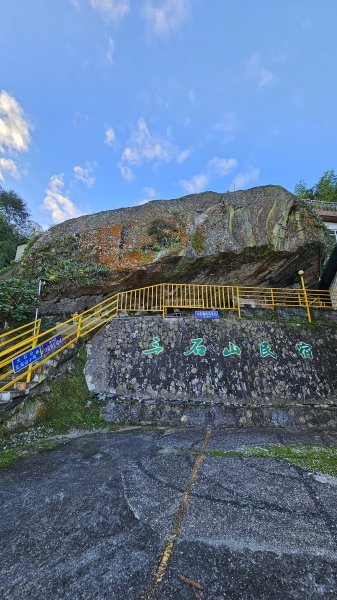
(161, 230)
(68, 403)
(8, 267)
(17, 301)
(15, 225)
(13, 208)
(48, 255)
(23, 450)
(198, 240)
(8, 242)
(165, 234)
(72, 270)
(301, 190)
(62, 262)
(7, 457)
(329, 246)
(316, 458)
(33, 239)
(324, 189)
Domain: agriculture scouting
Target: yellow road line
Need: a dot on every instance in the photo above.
(178, 521)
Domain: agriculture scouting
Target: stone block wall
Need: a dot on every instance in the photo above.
(266, 363)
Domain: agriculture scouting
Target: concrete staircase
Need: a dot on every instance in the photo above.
(22, 388)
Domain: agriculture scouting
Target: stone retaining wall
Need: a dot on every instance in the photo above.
(267, 364)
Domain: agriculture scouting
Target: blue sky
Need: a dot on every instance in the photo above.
(109, 103)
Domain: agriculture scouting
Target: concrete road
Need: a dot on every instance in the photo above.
(136, 515)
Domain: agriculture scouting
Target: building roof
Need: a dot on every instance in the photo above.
(329, 271)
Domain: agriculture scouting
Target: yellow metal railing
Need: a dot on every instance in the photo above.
(154, 298)
(52, 342)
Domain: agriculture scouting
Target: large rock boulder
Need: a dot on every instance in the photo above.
(261, 236)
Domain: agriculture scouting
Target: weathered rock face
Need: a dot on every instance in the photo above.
(260, 236)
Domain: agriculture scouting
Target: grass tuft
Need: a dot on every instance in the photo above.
(69, 404)
(322, 459)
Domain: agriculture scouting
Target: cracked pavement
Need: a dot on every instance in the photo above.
(91, 518)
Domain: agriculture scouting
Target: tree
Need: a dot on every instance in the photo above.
(17, 301)
(301, 190)
(324, 189)
(15, 225)
(13, 208)
(8, 242)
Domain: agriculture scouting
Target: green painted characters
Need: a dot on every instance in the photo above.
(304, 350)
(156, 348)
(266, 351)
(197, 348)
(232, 350)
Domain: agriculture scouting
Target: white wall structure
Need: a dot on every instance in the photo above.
(19, 252)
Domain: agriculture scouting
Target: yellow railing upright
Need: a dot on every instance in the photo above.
(155, 298)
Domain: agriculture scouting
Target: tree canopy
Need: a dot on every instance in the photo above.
(17, 301)
(15, 225)
(324, 189)
(8, 242)
(13, 208)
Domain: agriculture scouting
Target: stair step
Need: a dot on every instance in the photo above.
(5, 397)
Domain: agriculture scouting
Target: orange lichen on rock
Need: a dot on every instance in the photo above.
(201, 237)
(116, 246)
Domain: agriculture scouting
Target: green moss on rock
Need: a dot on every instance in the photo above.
(66, 405)
(198, 240)
(69, 404)
(322, 459)
(7, 457)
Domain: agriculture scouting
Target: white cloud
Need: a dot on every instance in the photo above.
(60, 206)
(110, 136)
(84, 174)
(243, 179)
(256, 71)
(195, 184)
(222, 166)
(7, 164)
(216, 167)
(227, 126)
(80, 118)
(192, 96)
(166, 16)
(183, 155)
(145, 146)
(150, 191)
(14, 126)
(266, 78)
(113, 9)
(126, 172)
(110, 52)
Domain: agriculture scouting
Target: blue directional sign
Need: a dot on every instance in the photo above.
(24, 360)
(50, 345)
(206, 314)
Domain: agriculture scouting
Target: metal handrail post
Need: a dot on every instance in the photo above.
(239, 307)
(79, 323)
(34, 344)
(305, 296)
(163, 305)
